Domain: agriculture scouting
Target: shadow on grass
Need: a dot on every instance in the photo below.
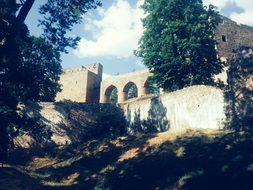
(191, 162)
(77, 166)
(11, 178)
(92, 161)
(188, 163)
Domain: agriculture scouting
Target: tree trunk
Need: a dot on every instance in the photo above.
(24, 10)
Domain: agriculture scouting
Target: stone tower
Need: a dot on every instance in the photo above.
(81, 84)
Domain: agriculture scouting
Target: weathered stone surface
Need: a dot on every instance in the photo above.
(230, 36)
(122, 83)
(196, 107)
(240, 89)
(81, 84)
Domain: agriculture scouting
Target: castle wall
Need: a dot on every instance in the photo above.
(93, 87)
(74, 85)
(230, 36)
(69, 122)
(139, 78)
(196, 107)
(81, 84)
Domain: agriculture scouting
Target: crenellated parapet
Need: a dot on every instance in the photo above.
(74, 70)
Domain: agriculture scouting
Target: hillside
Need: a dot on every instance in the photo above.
(194, 160)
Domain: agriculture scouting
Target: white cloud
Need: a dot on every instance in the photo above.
(245, 17)
(115, 33)
(117, 29)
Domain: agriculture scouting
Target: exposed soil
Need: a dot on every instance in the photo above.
(215, 160)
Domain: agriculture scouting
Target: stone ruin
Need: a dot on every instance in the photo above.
(230, 36)
(84, 84)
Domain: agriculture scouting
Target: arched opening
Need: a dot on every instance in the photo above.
(111, 94)
(131, 90)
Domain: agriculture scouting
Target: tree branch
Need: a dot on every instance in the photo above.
(25, 9)
(22, 2)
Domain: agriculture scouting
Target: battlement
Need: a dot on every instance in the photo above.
(94, 68)
(228, 21)
(74, 69)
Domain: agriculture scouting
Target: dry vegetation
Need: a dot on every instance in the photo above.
(193, 160)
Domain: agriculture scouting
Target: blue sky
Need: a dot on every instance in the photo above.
(110, 33)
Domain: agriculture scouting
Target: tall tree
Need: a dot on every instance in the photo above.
(178, 44)
(30, 66)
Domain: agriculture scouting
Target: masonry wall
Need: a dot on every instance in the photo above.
(74, 85)
(196, 107)
(92, 91)
(230, 36)
(81, 84)
(139, 78)
(94, 79)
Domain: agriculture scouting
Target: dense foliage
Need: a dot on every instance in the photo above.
(132, 92)
(60, 16)
(30, 66)
(178, 44)
(113, 99)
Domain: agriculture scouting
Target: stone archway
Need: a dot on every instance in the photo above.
(151, 88)
(130, 90)
(109, 92)
(123, 83)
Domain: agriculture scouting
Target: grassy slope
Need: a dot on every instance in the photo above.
(193, 161)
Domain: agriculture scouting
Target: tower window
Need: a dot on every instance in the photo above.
(224, 39)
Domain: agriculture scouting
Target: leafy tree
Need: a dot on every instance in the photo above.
(114, 96)
(59, 18)
(152, 87)
(30, 66)
(40, 70)
(178, 44)
(132, 92)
